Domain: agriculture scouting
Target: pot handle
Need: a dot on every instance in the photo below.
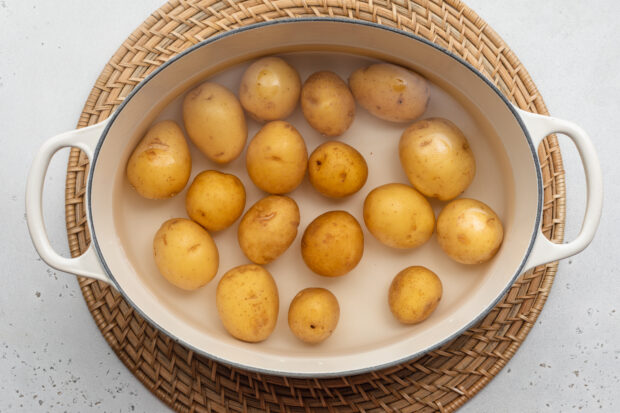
(539, 127)
(87, 264)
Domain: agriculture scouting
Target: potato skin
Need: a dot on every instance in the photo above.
(247, 303)
(327, 103)
(437, 158)
(215, 122)
(469, 231)
(399, 216)
(185, 253)
(313, 315)
(215, 200)
(277, 158)
(390, 92)
(270, 89)
(336, 169)
(414, 294)
(268, 228)
(333, 244)
(160, 165)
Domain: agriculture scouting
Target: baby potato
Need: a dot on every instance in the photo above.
(327, 103)
(270, 89)
(215, 122)
(247, 303)
(437, 158)
(390, 92)
(277, 158)
(414, 294)
(215, 200)
(160, 165)
(313, 315)
(333, 244)
(268, 228)
(469, 231)
(185, 253)
(399, 216)
(337, 170)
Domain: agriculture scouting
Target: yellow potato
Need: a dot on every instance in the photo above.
(337, 170)
(414, 294)
(327, 103)
(247, 303)
(159, 167)
(268, 228)
(185, 253)
(270, 89)
(215, 122)
(469, 231)
(437, 158)
(399, 216)
(277, 158)
(313, 315)
(390, 92)
(333, 244)
(215, 200)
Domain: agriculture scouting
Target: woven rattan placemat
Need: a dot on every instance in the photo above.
(441, 380)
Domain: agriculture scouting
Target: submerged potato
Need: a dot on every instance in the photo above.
(215, 122)
(270, 89)
(414, 294)
(160, 165)
(333, 244)
(185, 253)
(437, 158)
(215, 200)
(268, 228)
(247, 303)
(337, 170)
(390, 92)
(313, 315)
(327, 103)
(469, 231)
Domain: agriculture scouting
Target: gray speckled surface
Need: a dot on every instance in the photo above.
(53, 358)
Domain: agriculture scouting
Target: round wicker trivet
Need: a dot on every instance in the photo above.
(441, 380)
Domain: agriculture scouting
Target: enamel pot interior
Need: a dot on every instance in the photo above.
(507, 179)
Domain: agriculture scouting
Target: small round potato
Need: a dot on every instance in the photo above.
(399, 216)
(215, 200)
(159, 167)
(185, 253)
(270, 89)
(337, 170)
(215, 122)
(469, 231)
(268, 228)
(333, 244)
(437, 158)
(247, 303)
(277, 158)
(390, 92)
(327, 103)
(313, 315)
(414, 294)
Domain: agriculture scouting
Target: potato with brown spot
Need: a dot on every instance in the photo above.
(313, 315)
(185, 253)
(390, 92)
(327, 103)
(414, 294)
(337, 170)
(437, 158)
(247, 303)
(215, 200)
(160, 165)
(333, 244)
(268, 228)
